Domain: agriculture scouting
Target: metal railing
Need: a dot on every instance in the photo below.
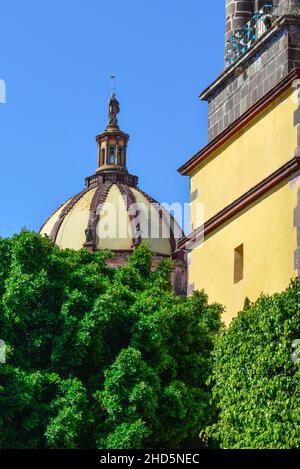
(245, 37)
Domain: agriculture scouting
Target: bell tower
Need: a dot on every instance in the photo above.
(262, 46)
(247, 177)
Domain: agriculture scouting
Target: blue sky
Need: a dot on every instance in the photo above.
(56, 57)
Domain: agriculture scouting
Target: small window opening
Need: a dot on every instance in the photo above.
(239, 263)
(120, 154)
(103, 156)
(111, 155)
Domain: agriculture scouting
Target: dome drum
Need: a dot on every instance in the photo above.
(111, 176)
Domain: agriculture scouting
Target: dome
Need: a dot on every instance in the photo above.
(113, 213)
(114, 216)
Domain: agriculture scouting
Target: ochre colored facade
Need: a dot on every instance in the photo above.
(266, 227)
(254, 152)
(246, 183)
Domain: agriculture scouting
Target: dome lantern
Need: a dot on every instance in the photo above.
(112, 143)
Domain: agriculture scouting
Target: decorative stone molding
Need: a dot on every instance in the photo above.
(95, 212)
(130, 199)
(64, 213)
(251, 196)
(163, 217)
(117, 177)
(247, 117)
(258, 71)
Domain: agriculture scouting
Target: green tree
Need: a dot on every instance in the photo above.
(96, 356)
(256, 381)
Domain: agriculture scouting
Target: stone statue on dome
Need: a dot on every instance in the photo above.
(113, 111)
(89, 234)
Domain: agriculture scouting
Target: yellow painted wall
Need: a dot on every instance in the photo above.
(266, 229)
(252, 154)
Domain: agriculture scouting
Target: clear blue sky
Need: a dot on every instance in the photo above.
(56, 57)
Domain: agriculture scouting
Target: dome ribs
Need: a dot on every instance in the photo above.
(163, 217)
(49, 218)
(64, 213)
(129, 200)
(98, 200)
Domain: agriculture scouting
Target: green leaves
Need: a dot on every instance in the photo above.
(128, 435)
(130, 389)
(141, 260)
(30, 252)
(5, 256)
(256, 383)
(99, 357)
(66, 428)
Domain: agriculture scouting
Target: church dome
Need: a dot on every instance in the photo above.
(104, 216)
(113, 213)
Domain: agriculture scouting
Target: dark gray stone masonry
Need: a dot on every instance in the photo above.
(263, 67)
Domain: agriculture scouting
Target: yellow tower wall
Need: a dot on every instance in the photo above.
(251, 155)
(265, 228)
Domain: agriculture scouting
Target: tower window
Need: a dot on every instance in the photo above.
(103, 156)
(111, 155)
(120, 154)
(239, 263)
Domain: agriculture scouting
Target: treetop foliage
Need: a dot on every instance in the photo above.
(256, 381)
(99, 357)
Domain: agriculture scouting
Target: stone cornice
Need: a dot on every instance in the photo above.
(112, 133)
(115, 175)
(217, 142)
(241, 203)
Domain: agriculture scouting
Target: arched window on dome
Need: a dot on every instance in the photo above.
(120, 155)
(111, 155)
